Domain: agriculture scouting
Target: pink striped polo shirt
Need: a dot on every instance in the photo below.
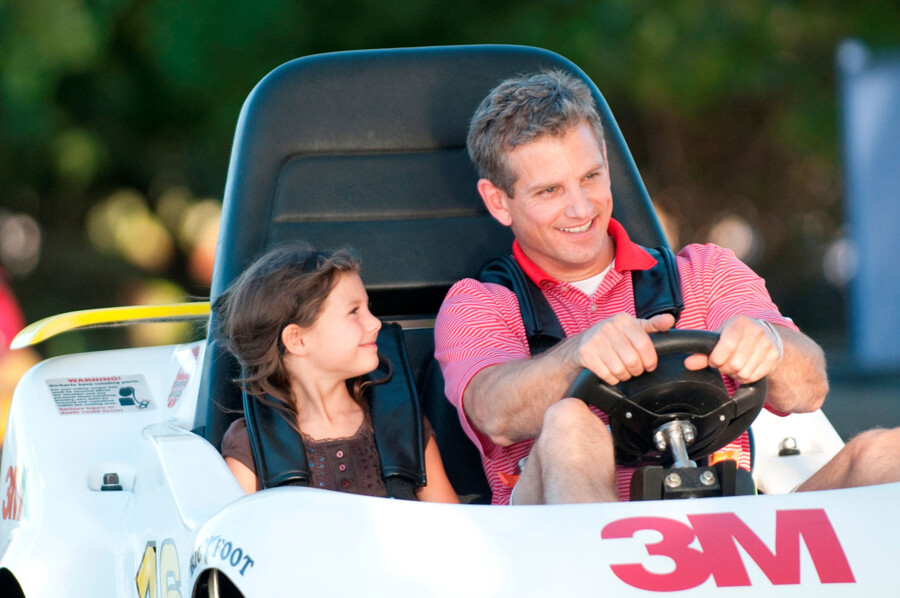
(480, 325)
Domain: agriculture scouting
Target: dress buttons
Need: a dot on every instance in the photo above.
(342, 467)
(345, 483)
(593, 307)
(339, 454)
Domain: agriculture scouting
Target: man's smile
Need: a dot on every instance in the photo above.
(578, 229)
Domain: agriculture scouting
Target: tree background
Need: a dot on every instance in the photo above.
(117, 116)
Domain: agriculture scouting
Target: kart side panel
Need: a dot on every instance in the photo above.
(58, 523)
(320, 543)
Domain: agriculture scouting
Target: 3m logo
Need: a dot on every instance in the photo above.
(719, 535)
(15, 490)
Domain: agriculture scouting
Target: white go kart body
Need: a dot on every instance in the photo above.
(180, 513)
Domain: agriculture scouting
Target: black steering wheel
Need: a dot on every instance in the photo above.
(639, 407)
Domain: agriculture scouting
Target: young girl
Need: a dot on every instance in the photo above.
(299, 324)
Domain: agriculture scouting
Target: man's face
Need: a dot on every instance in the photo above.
(561, 203)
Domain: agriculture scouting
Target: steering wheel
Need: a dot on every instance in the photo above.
(641, 407)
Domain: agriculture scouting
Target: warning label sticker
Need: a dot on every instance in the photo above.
(101, 394)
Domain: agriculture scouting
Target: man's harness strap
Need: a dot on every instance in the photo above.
(656, 291)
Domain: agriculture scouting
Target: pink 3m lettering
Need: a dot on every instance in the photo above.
(718, 535)
(12, 502)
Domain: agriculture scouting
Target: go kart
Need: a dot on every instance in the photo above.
(113, 484)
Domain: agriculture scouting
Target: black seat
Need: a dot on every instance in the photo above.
(367, 148)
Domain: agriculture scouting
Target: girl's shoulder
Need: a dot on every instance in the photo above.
(236, 443)
(237, 429)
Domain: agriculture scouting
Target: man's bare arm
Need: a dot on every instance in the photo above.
(799, 383)
(507, 401)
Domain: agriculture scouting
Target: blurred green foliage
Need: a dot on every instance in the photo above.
(729, 108)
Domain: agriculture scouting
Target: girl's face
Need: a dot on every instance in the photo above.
(342, 339)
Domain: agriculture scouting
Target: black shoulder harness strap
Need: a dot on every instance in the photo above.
(541, 325)
(656, 291)
(278, 451)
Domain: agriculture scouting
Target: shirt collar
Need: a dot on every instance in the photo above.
(629, 255)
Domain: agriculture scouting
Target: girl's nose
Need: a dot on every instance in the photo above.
(375, 324)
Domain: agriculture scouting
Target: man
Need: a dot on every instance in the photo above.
(537, 142)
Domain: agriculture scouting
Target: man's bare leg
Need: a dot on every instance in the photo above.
(572, 460)
(872, 457)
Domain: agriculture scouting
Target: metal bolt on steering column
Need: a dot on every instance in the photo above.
(707, 478)
(673, 480)
(659, 439)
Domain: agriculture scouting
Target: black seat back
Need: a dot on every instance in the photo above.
(367, 148)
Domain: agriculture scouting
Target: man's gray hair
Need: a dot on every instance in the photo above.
(522, 109)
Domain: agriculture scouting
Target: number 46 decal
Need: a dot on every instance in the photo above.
(169, 577)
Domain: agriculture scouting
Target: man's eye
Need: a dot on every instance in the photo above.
(548, 190)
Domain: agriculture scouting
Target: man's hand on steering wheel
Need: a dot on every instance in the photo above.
(619, 348)
(748, 350)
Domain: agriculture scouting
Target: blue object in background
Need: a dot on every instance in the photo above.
(870, 93)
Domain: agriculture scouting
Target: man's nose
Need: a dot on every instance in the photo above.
(580, 204)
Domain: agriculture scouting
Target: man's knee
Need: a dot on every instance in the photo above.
(570, 426)
(872, 445)
(568, 414)
(571, 420)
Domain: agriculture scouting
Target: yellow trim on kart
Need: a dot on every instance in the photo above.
(110, 316)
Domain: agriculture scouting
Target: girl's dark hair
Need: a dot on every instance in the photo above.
(287, 285)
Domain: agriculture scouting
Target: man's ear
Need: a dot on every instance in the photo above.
(495, 200)
(293, 337)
